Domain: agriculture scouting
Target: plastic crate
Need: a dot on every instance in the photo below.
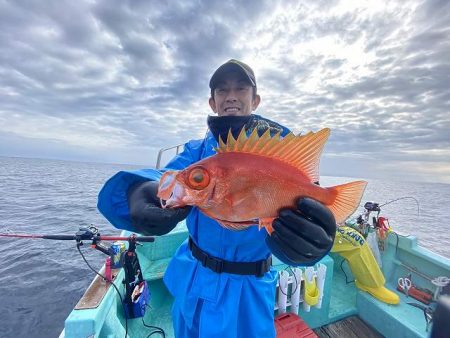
(289, 325)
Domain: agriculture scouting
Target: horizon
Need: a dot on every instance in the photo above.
(147, 166)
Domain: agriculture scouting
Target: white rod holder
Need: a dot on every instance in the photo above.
(321, 273)
(282, 291)
(295, 289)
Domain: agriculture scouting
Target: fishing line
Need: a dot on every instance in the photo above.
(91, 233)
(156, 328)
(396, 243)
(345, 274)
(296, 282)
(397, 235)
(114, 285)
(402, 198)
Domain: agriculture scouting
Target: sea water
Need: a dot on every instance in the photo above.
(42, 280)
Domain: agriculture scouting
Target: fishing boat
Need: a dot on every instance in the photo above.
(332, 307)
(340, 308)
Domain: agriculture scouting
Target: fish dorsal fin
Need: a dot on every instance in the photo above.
(301, 151)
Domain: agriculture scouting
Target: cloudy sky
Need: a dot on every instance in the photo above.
(114, 81)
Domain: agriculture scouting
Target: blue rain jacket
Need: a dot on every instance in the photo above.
(207, 304)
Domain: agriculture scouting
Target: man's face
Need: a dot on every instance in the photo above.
(233, 96)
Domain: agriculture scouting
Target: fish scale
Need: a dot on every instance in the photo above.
(254, 177)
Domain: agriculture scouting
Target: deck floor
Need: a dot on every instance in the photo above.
(351, 327)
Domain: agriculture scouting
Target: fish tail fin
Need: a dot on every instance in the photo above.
(347, 199)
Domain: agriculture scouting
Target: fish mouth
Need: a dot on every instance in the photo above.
(170, 192)
(175, 199)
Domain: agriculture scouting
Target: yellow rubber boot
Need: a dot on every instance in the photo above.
(351, 245)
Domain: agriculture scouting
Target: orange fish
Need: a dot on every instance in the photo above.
(251, 178)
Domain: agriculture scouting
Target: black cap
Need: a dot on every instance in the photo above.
(230, 66)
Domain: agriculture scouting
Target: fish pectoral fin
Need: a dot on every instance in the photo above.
(237, 198)
(267, 224)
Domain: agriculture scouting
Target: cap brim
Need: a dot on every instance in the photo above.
(229, 68)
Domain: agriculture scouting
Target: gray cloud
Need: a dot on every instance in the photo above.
(89, 80)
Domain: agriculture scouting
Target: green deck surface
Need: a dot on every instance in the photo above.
(158, 314)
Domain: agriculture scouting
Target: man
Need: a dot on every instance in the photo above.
(221, 279)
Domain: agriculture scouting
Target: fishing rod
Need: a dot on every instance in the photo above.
(90, 233)
(120, 256)
(402, 198)
(84, 233)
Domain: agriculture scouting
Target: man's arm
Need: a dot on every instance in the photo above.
(128, 199)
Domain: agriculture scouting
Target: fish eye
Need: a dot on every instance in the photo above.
(198, 178)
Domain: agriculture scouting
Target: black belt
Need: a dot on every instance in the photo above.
(218, 265)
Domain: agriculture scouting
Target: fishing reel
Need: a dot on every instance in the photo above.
(372, 206)
(378, 223)
(363, 220)
(92, 233)
(369, 208)
(86, 233)
(136, 290)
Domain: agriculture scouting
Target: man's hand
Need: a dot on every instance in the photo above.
(302, 236)
(146, 213)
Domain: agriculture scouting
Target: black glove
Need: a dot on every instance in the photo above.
(147, 215)
(303, 236)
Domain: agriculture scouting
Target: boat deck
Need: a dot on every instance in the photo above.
(351, 312)
(351, 327)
